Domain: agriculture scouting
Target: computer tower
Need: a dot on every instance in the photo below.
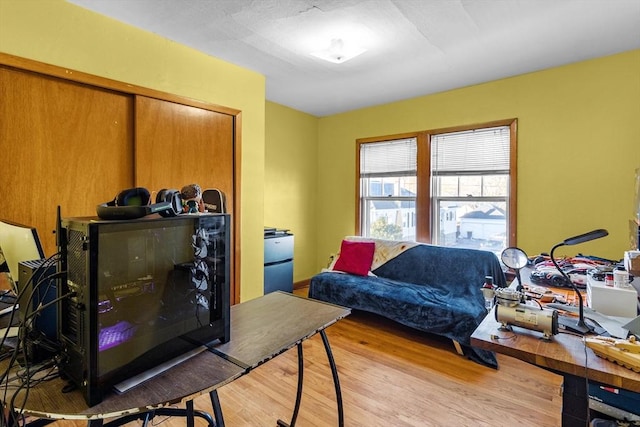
(38, 308)
(138, 293)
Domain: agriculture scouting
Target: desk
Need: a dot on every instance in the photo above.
(260, 330)
(565, 355)
(266, 327)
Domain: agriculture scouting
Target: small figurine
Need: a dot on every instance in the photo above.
(192, 198)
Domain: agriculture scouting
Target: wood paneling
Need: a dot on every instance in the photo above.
(179, 144)
(105, 83)
(62, 143)
(71, 139)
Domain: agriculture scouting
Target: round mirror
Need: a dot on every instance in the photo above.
(514, 258)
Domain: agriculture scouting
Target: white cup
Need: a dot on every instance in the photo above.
(620, 279)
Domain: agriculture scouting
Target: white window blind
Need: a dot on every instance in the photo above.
(398, 157)
(478, 150)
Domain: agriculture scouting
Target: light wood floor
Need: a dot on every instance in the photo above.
(390, 376)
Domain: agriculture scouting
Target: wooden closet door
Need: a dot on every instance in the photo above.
(62, 143)
(178, 145)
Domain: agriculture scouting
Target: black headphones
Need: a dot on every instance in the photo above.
(133, 203)
(172, 197)
(138, 196)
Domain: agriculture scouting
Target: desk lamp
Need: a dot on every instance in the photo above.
(580, 327)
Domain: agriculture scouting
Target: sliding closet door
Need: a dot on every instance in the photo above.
(178, 145)
(61, 143)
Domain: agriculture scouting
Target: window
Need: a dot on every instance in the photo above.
(452, 187)
(388, 189)
(470, 187)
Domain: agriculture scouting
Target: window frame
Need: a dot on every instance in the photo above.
(366, 198)
(424, 197)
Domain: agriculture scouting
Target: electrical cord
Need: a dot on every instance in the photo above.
(586, 370)
(586, 376)
(20, 374)
(30, 378)
(537, 302)
(513, 336)
(564, 331)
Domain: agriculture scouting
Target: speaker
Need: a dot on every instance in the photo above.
(131, 204)
(214, 200)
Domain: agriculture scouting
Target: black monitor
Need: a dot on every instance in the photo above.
(17, 243)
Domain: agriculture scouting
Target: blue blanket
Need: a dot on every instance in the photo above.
(430, 288)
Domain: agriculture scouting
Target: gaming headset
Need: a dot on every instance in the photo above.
(173, 197)
(135, 203)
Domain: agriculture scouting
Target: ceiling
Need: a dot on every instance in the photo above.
(413, 47)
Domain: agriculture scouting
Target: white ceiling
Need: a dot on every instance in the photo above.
(414, 47)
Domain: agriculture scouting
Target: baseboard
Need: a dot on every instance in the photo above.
(302, 284)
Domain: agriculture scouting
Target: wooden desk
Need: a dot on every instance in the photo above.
(260, 330)
(566, 355)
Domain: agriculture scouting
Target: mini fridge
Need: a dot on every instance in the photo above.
(278, 260)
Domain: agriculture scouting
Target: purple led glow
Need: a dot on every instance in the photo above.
(115, 335)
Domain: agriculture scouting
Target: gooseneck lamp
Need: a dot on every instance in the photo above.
(580, 327)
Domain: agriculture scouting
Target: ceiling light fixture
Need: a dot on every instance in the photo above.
(338, 52)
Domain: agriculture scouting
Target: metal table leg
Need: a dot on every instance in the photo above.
(217, 409)
(575, 401)
(336, 380)
(296, 408)
(336, 383)
(189, 413)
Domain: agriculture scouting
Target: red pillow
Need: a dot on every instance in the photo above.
(355, 257)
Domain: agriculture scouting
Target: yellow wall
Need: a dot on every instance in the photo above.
(59, 33)
(578, 149)
(579, 141)
(290, 182)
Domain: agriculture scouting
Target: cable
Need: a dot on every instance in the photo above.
(564, 331)
(513, 336)
(28, 380)
(586, 377)
(28, 375)
(537, 302)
